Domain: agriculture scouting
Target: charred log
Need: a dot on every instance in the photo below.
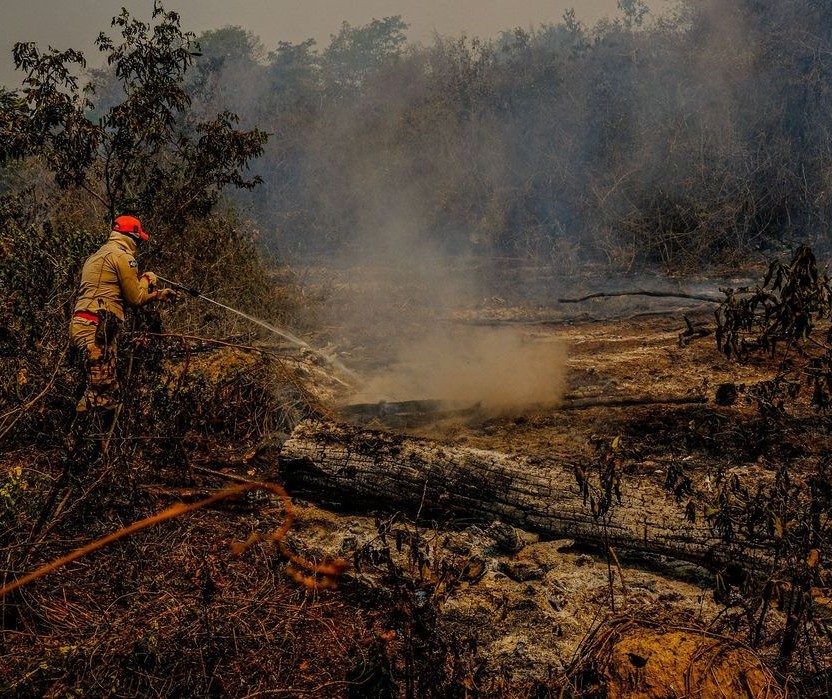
(421, 412)
(626, 401)
(342, 466)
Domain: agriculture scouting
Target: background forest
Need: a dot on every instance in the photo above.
(701, 135)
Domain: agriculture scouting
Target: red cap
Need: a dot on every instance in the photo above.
(131, 226)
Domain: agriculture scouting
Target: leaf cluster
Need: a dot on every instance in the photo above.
(788, 518)
(145, 153)
(48, 118)
(601, 487)
(783, 310)
(784, 313)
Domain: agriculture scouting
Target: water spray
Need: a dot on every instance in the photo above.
(285, 334)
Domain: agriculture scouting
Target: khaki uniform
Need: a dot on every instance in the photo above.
(109, 279)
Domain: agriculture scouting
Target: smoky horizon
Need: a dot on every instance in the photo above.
(76, 25)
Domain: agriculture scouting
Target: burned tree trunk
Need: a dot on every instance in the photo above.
(345, 466)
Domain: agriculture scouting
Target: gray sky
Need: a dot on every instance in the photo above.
(75, 23)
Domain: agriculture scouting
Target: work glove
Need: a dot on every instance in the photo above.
(169, 295)
(152, 280)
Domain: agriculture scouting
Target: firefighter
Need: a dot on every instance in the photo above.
(110, 280)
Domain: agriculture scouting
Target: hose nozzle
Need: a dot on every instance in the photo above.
(187, 289)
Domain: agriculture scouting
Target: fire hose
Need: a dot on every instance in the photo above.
(268, 326)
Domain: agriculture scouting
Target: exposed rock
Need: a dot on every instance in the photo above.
(507, 539)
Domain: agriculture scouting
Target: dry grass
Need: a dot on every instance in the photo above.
(173, 611)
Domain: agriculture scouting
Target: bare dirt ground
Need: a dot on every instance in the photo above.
(439, 608)
(533, 609)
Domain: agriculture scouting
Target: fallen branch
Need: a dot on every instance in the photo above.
(644, 292)
(420, 412)
(575, 319)
(623, 401)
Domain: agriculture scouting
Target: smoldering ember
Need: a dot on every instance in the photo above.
(467, 367)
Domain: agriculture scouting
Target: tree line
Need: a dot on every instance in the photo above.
(699, 135)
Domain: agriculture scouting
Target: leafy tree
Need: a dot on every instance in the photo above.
(294, 74)
(229, 73)
(635, 12)
(356, 53)
(230, 44)
(145, 153)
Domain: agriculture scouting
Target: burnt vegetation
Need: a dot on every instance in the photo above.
(696, 140)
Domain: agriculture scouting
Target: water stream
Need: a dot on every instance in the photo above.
(285, 334)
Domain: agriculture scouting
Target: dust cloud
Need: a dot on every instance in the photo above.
(403, 306)
(495, 367)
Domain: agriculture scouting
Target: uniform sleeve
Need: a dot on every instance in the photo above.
(133, 289)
